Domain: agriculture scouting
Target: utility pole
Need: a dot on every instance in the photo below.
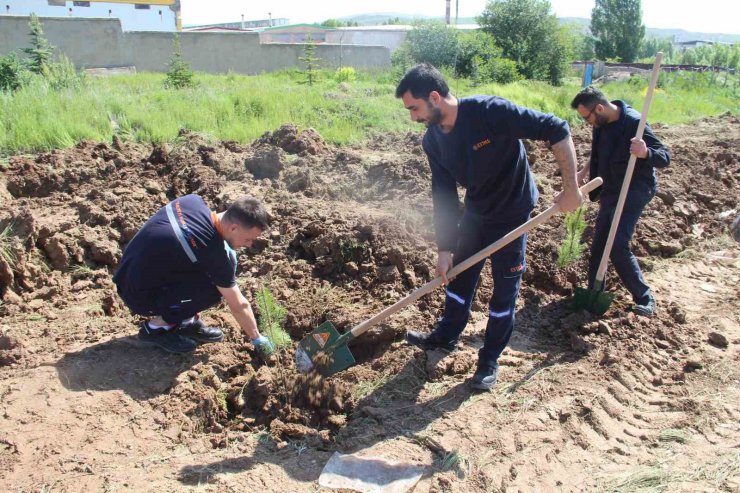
(447, 11)
(457, 10)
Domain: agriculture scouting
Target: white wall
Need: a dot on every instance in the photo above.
(132, 19)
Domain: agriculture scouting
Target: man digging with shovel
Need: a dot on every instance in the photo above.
(476, 142)
(182, 262)
(615, 124)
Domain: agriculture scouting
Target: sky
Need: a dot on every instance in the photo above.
(708, 16)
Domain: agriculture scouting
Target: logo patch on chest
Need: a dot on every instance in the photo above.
(481, 144)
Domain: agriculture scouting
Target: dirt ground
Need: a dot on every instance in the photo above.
(621, 403)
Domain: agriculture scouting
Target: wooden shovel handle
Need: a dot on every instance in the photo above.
(481, 255)
(601, 272)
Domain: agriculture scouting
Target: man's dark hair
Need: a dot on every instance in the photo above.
(247, 212)
(588, 98)
(422, 79)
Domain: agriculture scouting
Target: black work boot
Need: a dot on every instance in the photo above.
(167, 340)
(485, 376)
(430, 341)
(199, 332)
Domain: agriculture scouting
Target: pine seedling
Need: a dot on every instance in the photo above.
(311, 60)
(272, 316)
(180, 74)
(571, 248)
(41, 51)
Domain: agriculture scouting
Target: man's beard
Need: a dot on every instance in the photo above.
(600, 120)
(435, 115)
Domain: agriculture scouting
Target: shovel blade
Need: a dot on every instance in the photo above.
(592, 300)
(322, 339)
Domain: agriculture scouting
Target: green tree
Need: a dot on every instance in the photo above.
(617, 27)
(528, 34)
(650, 46)
(180, 74)
(474, 48)
(480, 59)
(559, 51)
(41, 52)
(581, 40)
(332, 23)
(433, 42)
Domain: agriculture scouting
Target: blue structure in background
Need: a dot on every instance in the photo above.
(588, 74)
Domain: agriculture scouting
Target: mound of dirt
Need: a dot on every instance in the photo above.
(351, 234)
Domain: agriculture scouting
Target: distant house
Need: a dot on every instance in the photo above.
(390, 36)
(135, 15)
(252, 25)
(685, 45)
(296, 33)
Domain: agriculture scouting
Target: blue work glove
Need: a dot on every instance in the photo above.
(263, 345)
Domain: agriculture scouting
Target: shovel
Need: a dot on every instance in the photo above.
(326, 349)
(596, 300)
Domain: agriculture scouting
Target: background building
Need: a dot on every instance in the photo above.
(135, 15)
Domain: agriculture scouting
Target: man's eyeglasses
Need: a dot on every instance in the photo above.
(585, 118)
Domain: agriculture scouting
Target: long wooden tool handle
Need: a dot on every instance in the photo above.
(481, 255)
(601, 272)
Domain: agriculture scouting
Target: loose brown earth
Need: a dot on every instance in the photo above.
(616, 404)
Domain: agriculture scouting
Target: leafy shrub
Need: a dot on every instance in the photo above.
(401, 61)
(498, 70)
(14, 73)
(345, 74)
(63, 75)
(474, 49)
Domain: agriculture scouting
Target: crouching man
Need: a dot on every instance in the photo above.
(182, 261)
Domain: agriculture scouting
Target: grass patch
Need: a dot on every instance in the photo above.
(81, 270)
(451, 460)
(367, 387)
(672, 435)
(238, 107)
(660, 477)
(6, 250)
(644, 479)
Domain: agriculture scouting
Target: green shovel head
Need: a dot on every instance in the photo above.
(322, 339)
(593, 300)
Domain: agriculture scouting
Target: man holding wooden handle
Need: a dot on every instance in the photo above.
(476, 142)
(615, 124)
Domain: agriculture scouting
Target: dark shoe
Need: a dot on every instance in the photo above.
(168, 340)
(647, 310)
(199, 332)
(429, 341)
(485, 377)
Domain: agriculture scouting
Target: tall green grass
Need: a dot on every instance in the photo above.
(237, 107)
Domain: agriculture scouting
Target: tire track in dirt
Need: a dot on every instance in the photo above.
(568, 425)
